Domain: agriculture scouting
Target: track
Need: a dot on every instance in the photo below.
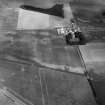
(87, 75)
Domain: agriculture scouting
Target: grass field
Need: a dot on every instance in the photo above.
(42, 85)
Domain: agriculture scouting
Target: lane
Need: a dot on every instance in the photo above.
(41, 84)
(5, 100)
(14, 98)
(45, 94)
